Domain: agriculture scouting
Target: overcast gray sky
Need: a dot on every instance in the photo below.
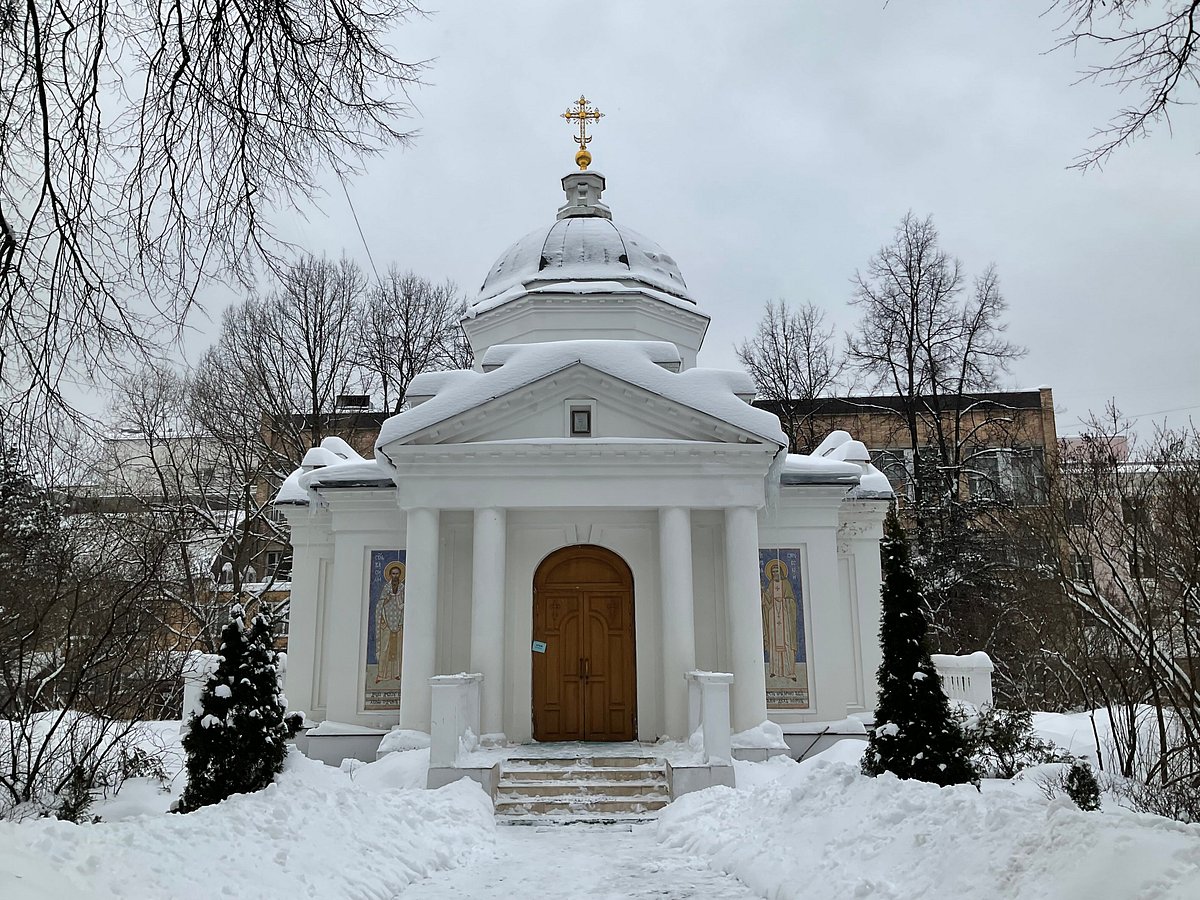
(772, 147)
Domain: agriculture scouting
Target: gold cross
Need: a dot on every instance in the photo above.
(584, 112)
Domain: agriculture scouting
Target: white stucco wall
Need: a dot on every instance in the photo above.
(840, 585)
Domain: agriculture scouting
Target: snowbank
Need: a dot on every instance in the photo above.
(820, 829)
(317, 832)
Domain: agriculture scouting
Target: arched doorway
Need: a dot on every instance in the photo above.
(585, 678)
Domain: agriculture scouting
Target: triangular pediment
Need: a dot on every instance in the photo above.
(619, 410)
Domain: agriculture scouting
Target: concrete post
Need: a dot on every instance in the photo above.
(454, 716)
(487, 613)
(743, 604)
(712, 690)
(678, 614)
(420, 619)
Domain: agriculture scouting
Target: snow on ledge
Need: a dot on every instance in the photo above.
(767, 736)
(328, 728)
(840, 727)
(801, 469)
(976, 660)
(533, 289)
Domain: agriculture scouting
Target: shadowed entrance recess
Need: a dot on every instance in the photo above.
(585, 682)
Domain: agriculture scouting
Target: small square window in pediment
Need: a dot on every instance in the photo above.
(581, 421)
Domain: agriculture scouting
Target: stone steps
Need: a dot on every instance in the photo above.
(547, 791)
(577, 773)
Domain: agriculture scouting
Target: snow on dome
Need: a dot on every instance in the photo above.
(710, 391)
(582, 248)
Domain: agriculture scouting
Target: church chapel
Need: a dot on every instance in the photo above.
(583, 518)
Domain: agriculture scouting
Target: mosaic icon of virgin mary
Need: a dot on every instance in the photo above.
(779, 611)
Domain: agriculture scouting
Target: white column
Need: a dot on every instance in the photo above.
(487, 614)
(743, 609)
(420, 619)
(678, 614)
(310, 546)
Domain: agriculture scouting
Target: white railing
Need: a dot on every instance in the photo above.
(966, 677)
(708, 710)
(197, 669)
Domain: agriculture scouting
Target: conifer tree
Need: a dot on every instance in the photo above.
(914, 735)
(238, 741)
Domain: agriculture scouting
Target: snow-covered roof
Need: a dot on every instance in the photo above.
(334, 464)
(579, 249)
(348, 474)
(800, 468)
(873, 485)
(710, 391)
(841, 450)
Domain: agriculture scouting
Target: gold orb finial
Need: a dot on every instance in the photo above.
(583, 112)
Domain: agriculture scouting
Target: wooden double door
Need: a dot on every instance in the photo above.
(585, 679)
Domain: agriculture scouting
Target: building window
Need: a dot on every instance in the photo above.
(1028, 473)
(581, 421)
(1008, 475)
(1076, 513)
(1082, 566)
(983, 475)
(897, 465)
(1142, 565)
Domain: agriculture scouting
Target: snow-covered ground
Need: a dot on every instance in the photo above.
(317, 832)
(811, 830)
(820, 830)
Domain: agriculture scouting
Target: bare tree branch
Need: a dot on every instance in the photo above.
(1154, 48)
(148, 148)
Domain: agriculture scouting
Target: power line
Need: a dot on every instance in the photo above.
(358, 225)
(1157, 412)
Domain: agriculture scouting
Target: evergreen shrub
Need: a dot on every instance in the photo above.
(914, 736)
(238, 741)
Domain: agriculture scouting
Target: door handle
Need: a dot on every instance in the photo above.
(587, 668)
(579, 671)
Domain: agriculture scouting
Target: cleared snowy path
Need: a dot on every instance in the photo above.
(580, 861)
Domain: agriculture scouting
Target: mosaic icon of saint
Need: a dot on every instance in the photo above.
(389, 623)
(779, 611)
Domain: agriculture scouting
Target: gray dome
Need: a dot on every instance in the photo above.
(584, 248)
